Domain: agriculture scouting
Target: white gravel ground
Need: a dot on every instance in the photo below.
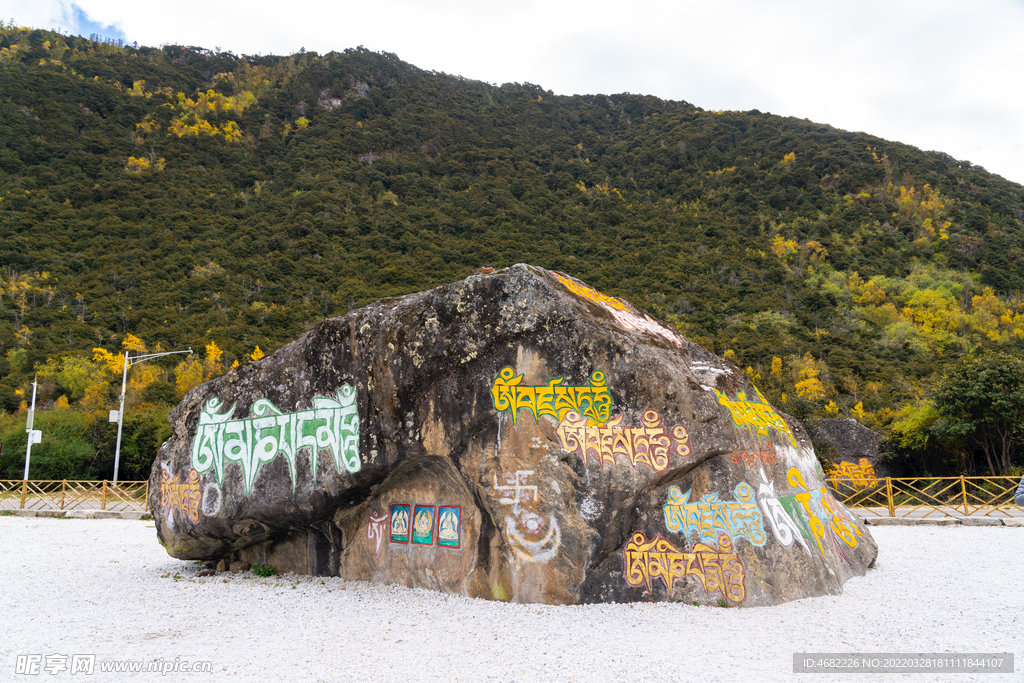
(106, 587)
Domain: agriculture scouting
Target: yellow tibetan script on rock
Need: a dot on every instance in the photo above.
(755, 416)
(622, 315)
(862, 475)
(818, 504)
(592, 294)
(508, 394)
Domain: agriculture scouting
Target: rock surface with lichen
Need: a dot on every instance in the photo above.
(515, 436)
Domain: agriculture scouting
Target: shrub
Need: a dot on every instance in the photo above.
(260, 569)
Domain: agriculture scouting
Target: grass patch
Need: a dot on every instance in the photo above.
(264, 570)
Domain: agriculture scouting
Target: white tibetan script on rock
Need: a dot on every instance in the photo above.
(331, 424)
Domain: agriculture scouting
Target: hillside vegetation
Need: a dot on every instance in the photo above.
(157, 199)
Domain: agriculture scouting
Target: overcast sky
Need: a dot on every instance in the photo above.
(941, 75)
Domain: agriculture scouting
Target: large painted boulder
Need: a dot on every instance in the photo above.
(514, 436)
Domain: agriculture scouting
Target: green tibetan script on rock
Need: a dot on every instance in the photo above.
(331, 424)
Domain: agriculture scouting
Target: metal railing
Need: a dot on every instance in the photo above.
(921, 497)
(124, 496)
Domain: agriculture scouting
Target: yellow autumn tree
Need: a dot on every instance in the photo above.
(813, 253)
(133, 343)
(140, 164)
(191, 119)
(865, 292)
(994, 317)
(783, 248)
(114, 364)
(212, 366)
(140, 376)
(188, 374)
(810, 384)
(752, 374)
(136, 165)
(192, 372)
(257, 354)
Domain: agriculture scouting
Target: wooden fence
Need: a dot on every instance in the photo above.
(933, 497)
(124, 496)
(888, 497)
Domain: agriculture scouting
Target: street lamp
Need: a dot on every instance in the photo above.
(128, 362)
(34, 435)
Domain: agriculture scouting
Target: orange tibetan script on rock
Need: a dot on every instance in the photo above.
(185, 496)
(650, 444)
(717, 570)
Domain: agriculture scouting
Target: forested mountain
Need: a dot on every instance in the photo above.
(165, 198)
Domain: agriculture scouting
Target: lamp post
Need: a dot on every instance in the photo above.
(34, 435)
(128, 362)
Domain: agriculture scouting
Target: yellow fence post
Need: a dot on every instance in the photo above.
(24, 487)
(888, 496)
(63, 488)
(963, 492)
(103, 500)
